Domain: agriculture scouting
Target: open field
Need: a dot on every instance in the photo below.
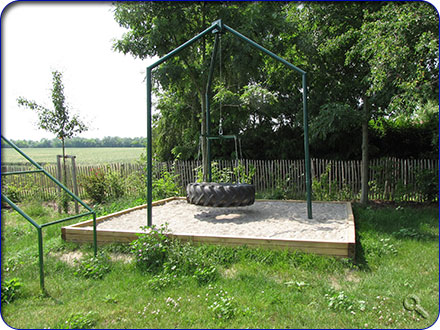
(84, 156)
(228, 287)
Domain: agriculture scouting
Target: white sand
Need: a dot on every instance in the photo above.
(273, 219)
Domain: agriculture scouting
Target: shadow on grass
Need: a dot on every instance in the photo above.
(360, 259)
(403, 221)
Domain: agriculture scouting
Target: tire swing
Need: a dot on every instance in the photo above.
(220, 194)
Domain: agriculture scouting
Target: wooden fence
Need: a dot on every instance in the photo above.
(388, 176)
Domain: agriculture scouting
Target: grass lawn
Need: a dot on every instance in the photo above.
(224, 287)
(84, 156)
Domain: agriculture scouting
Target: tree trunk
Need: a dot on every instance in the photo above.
(365, 159)
(64, 197)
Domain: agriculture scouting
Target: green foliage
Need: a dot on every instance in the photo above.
(79, 142)
(427, 183)
(102, 185)
(155, 252)
(380, 248)
(166, 185)
(95, 186)
(93, 267)
(325, 189)
(408, 233)
(57, 121)
(223, 306)
(228, 175)
(161, 281)
(151, 248)
(79, 321)
(271, 288)
(10, 290)
(13, 192)
(206, 274)
(297, 286)
(340, 301)
(388, 175)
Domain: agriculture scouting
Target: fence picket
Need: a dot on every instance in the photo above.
(386, 172)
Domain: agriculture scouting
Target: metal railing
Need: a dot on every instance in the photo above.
(38, 226)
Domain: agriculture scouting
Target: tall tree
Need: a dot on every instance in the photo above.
(367, 60)
(58, 120)
(156, 28)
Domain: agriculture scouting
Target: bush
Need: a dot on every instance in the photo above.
(95, 186)
(427, 183)
(151, 248)
(101, 186)
(10, 290)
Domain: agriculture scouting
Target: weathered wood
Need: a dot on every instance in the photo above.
(268, 174)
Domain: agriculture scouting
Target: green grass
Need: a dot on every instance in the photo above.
(397, 255)
(85, 156)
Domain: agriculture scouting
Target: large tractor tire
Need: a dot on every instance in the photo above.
(220, 194)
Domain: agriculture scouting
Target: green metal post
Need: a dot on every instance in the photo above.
(208, 104)
(95, 239)
(215, 25)
(40, 257)
(149, 153)
(306, 147)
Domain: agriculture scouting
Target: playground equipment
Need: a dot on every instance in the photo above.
(38, 226)
(218, 27)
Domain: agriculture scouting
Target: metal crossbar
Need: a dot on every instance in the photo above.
(36, 225)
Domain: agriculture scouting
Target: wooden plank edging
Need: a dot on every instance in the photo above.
(82, 232)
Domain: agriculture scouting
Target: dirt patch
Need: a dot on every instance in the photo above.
(69, 258)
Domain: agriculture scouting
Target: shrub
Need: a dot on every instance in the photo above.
(10, 290)
(166, 186)
(95, 186)
(427, 183)
(102, 185)
(151, 248)
(12, 192)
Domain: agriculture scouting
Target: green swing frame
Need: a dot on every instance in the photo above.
(218, 27)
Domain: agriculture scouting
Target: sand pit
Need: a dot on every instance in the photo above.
(266, 219)
(272, 223)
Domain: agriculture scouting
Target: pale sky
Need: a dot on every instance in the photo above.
(104, 87)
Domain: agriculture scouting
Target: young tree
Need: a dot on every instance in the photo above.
(58, 120)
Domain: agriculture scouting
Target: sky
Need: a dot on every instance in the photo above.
(105, 88)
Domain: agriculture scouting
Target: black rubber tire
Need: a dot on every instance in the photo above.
(220, 194)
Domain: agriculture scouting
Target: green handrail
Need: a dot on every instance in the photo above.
(40, 227)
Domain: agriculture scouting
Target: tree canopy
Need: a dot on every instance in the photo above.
(368, 63)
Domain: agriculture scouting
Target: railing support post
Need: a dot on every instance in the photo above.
(40, 257)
